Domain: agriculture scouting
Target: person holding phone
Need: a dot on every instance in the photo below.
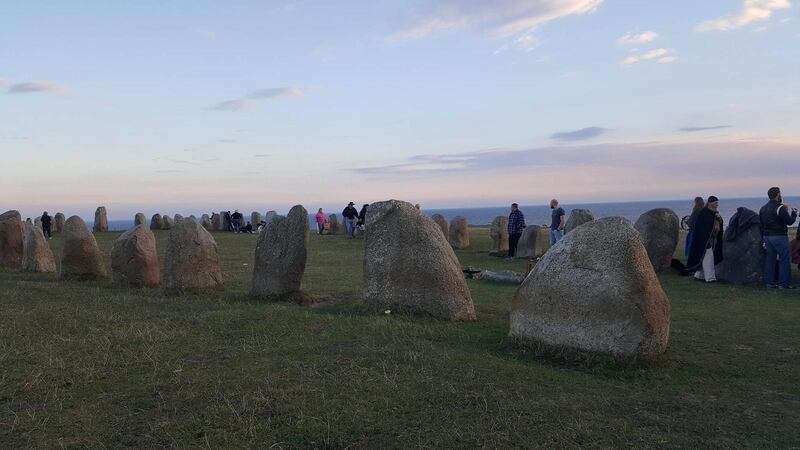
(776, 217)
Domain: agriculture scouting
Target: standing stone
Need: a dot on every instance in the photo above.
(216, 222)
(191, 260)
(134, 261)
(743, 254)
(226, 223)
(595, 291)
(205, 221)
(37, 257)
(281, 255)
(81, 258)
(11, 239)
(255, 219)
(139, 219)
(577, 217)
(408, 265)
(499, 234)
(100, 220)
(166, 222)
(660, 230)
(156, 223)
(459, 232)
(439, 219)
(270, 215)
(336, 226)
(534, 242)
(27, 224)
(178, 218)
(193, 218)
(37, 222)
(58, 222)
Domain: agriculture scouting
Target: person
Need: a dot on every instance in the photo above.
(557, 222)
(706, 249)
(247, 228)
(320, 219)
(775, 220)
(261, 226)
(516, 224)
(46, 220)
(699, 204)
(226, 218)
(350, 215)
(236, 220)
(362, 217)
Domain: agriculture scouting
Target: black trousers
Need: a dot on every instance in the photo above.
(513, 240)
(46, 230)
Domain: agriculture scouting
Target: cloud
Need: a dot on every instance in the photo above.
(248, 103)
(661, 55)
(287, 91)
(636, 39)
(233, 105)
(752, 11)
(261, 155)
(695, 129)
(182, 161)
(578, 135)
(30, 87)
(227, 141)
(169, 171)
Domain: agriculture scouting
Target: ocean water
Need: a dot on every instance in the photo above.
(540, 214)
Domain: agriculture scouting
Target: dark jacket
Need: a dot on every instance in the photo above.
(350, 213)
(236, 216)
(46, 220)
(702, 236)
(362, 215)
(775, 220)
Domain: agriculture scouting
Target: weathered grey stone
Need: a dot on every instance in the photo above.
(216, 222)
(336, 226)
(25, 225)
(81, 258)
(439, 219)
(534, 242)
(594, 291)
(205, 221)
(134, 260)
(191, 260)
(255, 219)
(11, 239)
(408, 265)
(744, 257)
(505, 276)
(58, 222)
(166, 222)
(193, 218)
(177, 218)
(269, 216)
(139, 219)
(156, 223)
(280, 260)
(577, 217)
(499, 234)
(37, 222)
(100, 220)
(37, 257)
(660, 230)
(226, 223)
(459, 232)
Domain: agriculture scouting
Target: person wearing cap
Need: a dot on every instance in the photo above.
(776, 217)
(516, 224)
(706, 248)
(350, 214)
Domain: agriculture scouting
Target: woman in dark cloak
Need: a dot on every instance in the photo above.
(706, 236)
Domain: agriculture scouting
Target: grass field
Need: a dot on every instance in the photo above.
(90, 365)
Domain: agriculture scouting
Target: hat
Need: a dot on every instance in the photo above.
(712, 199)
(350, 204)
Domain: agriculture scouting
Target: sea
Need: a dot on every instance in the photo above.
(540, 214)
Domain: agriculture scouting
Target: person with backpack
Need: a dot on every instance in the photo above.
(775, 220)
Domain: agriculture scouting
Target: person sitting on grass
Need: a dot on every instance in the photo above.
(247, 228)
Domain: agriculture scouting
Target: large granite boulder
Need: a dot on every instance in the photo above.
(191, 260)
(499, 234)
(100, 220)
(439, 219)
(139, 219)
(11, 239)
(81, 258)
(534, 242)
(156, 223)
(166, 222)
(594, 291)
(660, 230)
(409, 266)
(336, 227)
(280, 260)
(744, 257)
(37, 257)
(134, 261)
(577, 217)
(459, 232)
(58, 222)
(205, 221)
(255, 219)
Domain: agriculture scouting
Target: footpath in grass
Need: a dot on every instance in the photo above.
(90, 365)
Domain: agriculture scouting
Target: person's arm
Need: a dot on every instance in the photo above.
(783, 214)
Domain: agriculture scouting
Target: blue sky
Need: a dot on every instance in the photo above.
(196, 106)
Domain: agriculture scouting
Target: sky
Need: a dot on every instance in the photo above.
(194, 106)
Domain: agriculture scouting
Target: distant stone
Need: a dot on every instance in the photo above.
(216, 222)
(166, 222)
(534, 242)
(595, 291)
(205, 221)
(577, 217)
(177, 218)
(335, 226)
(193, 218)
(37, 257)
(505, 276)
(459, 232)
(744, 257)
(660, 230)
(134, 261)
(37, 222)
(499, 234)
(81, 258)
(156, 223)
(58, 222)
(270, 215)
(11, 239)
(280, 260)
(191, 260)
(139, 219)
(100, 220)
(25, 225)
(226, 223)
(409, 266)
(439, 219)
(255, 219)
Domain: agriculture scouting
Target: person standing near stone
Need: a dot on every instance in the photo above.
(557, 222)
(699, 204)
(516, 225)
(320, 219)
(362, 218)
(350, 215)
(775, 218)
(236, 221)
(46, 221)
(706, 250)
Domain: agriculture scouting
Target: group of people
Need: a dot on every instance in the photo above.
(516, 225)
(353, 220)
(236, 223)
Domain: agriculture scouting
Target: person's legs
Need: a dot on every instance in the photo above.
(688, 244)
(709, 274)
(555, 236)
(348, 225)
(772, 255)
(46, 230)
(320, 227)
(513, 240)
